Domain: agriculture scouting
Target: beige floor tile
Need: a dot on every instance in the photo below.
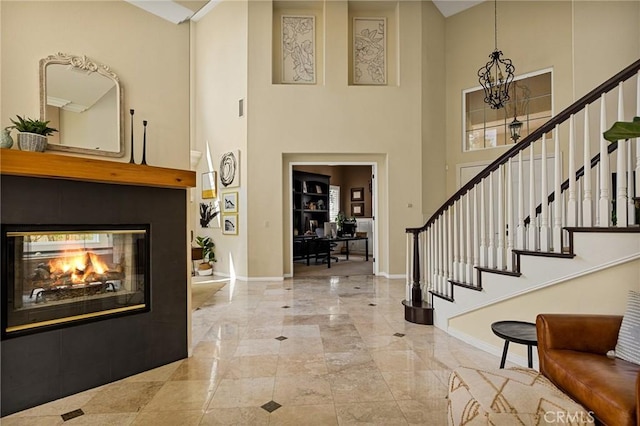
(215, 349)
(431, 411)
(307, 415)
(112, 419)
(307, 331)
(378, 413)
(344, 362)
(233, 393)
(193, 368)
(343, 344)
(250, 347)
(361, 386)
(263, 332)
(414, 384)
(179, 395)
(253, 416)
(385, 343)
(168, 418)
(398, 361)
(252, 366)
(122, 397)
(160, 374)
(301, 364)
(309, 345)
(302, 390)
(32, 421)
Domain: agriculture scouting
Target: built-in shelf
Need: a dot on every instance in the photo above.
(42, 164)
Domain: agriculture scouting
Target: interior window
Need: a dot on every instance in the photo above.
(530, 102)
(334, 202)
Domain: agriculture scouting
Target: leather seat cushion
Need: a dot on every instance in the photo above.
(603, 385)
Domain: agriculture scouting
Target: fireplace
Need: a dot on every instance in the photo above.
(57, 275)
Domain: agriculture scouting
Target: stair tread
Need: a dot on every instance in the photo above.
(465, 285)
(498, 271)
(441, 296)
(563, 255)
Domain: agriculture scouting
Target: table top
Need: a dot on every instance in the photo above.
(516, 331)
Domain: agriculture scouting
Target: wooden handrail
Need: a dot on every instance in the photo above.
(577, 106)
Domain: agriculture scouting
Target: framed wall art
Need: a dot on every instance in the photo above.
(298, 49)
(230, 169)
(370, 51)
(357, 194)
(230, 202)
(209, 215)
(230, 224)
(209, 182)
(357, 209)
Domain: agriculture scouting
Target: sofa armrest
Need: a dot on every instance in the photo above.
(584, 333)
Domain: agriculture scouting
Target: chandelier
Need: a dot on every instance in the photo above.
(496, 76)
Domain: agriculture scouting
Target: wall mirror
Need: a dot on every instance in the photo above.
(83, 100)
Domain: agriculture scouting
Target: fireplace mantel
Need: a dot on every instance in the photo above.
(37, 164)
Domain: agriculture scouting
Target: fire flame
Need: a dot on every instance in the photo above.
(82, 267)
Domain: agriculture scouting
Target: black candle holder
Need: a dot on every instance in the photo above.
(131, 161)
(144, 143)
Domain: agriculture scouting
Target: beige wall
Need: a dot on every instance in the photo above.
(584, 42)
(149, 54)
(331, 119)
(603, 292)
(220, 80)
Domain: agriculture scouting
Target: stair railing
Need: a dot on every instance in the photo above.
(501, 210)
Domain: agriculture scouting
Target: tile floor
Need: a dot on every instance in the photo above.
(321, 351)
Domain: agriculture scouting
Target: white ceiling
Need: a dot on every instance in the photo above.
(182, 10)
(451, 7)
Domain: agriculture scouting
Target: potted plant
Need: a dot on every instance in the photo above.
(32, 134)
(208, 255)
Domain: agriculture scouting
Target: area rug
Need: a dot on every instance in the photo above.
(202, 291)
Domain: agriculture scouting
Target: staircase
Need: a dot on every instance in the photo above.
(559, 204)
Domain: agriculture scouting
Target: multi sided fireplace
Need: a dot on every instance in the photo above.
(53, 276)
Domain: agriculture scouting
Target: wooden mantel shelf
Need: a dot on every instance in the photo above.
(41, 164)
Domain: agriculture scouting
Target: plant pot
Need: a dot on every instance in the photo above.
(32, 142)
(205, 269)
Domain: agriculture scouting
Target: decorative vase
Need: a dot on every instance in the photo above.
(205, 269)
(32, 142)
(6, 141)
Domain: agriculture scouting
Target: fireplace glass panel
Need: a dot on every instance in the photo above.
(58, 276)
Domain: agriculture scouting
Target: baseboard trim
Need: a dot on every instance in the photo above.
(493, 350)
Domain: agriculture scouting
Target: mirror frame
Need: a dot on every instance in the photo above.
(85, 64)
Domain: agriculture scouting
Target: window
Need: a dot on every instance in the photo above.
(334, 202)
(531, 103)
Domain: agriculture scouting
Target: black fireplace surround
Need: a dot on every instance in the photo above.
(48, 363)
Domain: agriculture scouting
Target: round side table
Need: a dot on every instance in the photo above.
(520, 332)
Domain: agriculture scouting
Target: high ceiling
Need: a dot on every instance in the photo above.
(182, 10)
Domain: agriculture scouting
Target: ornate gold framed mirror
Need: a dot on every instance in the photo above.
(83, 100)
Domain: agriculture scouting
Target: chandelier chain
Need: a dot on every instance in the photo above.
(495, 22)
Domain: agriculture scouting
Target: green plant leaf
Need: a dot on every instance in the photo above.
(29, 125)
(623, 130)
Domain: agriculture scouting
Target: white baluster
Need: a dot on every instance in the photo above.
(637, 186)
(461, 232)
(510, 221)
(544, 197)
(429, 272)
(596, 190)
(571, 204)
(456, 259)
(476, 234)
(441, 248)
(450, 250)
(631, 207)
(469, 241)
(557, 204)
(483, 233)
(491, 246)
(500, 224)
(621, 172)
(409, 259)
(533, 223)
(587, 202)
(604, 202)
(521, 229)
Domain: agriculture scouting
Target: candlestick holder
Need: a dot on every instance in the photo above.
(144, 143)
(131, 161)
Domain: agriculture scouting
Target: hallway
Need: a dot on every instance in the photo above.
(312, 350)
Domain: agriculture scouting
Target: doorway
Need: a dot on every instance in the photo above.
(350, 190)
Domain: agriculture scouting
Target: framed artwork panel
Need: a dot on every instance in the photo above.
(230, 169)
(370, 51)
(230, 202)
(230, 224)
(357, 194)
(357, 209)
(209, 183)
(298, 49)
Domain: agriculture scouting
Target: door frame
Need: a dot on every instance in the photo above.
(373, 245)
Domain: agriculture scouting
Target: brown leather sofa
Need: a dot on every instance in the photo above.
(572, 352)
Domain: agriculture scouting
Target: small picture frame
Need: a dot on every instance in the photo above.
(209, 185)
(230, 224)
(357, 209)
(229, 202)
(357, 194)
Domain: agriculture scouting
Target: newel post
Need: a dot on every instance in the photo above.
(416, 291)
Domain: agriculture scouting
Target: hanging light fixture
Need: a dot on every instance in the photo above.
(496, 76)
(516, 125)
